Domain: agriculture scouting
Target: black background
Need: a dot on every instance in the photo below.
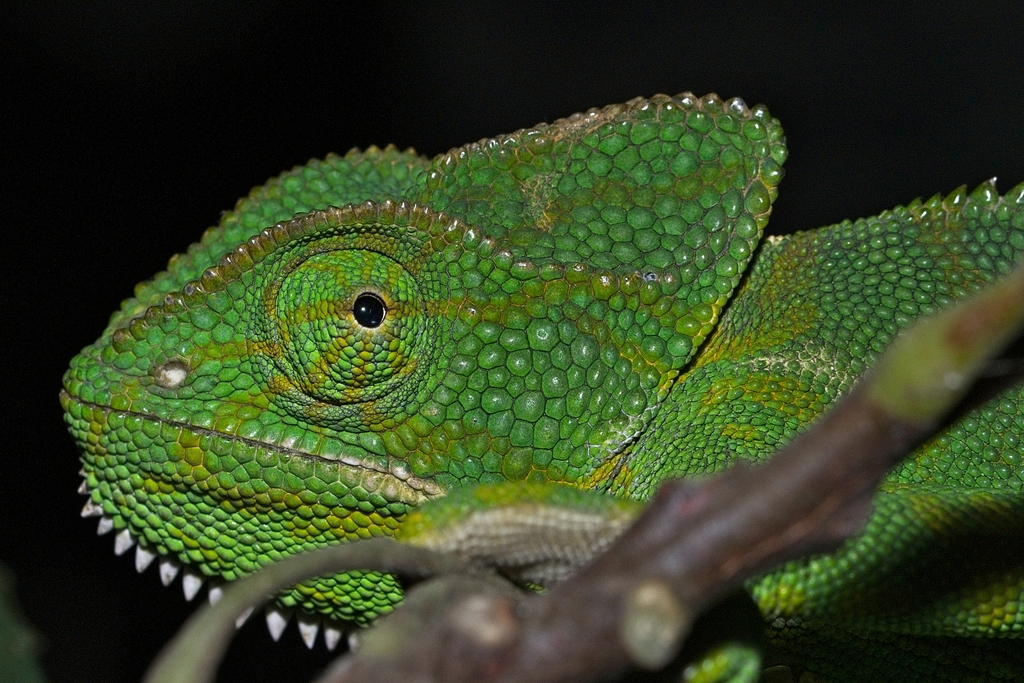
(127, 127)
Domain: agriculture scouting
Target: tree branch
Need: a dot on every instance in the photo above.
(696, 541)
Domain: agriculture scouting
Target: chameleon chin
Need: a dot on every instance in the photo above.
(584, 304)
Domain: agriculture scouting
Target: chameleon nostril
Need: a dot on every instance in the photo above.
(171, 374)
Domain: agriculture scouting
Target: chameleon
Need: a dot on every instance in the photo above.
(586, 305)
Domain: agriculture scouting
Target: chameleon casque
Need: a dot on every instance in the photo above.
(586, 302)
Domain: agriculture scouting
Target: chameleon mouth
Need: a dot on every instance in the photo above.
(96, 428)
(192, 581)
(392, 480)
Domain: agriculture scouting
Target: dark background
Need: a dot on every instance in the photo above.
(127, 128)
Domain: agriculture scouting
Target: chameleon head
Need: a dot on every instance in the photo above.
(326, 375)
(241, 418)
(522, 321)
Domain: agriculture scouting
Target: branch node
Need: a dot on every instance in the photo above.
(488, 621)
(653, 624)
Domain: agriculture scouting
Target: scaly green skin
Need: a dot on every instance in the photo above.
(546, 294)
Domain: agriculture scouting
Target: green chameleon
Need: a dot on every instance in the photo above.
(586, 303)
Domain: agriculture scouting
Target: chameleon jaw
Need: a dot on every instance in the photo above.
(192, 581)
(277, 618)
(100, 447)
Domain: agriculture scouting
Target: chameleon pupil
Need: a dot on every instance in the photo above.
(369, 310)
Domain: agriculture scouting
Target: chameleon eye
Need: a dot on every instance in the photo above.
(332, 342)
(369, 310)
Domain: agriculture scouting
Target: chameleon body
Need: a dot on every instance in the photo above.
(369, 332)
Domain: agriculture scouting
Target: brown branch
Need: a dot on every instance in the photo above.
(635, 604)
(695, 542)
